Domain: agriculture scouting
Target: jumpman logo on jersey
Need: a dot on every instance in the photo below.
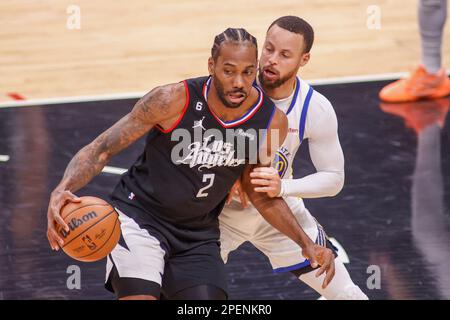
(199, 123)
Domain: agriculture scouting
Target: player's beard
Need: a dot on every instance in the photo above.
(222, 95)
(275, 84)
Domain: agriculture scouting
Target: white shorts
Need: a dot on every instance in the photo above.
(147, 262)
(238, 225)
(140, 256)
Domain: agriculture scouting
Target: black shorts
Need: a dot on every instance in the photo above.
(147, 261)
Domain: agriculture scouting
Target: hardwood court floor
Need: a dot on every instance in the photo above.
(135, 45)
(393, 213)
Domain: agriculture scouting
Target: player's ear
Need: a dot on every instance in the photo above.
(211, 66)
(304, 59)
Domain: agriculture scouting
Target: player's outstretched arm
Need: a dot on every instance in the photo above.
(163, 105)
(277, 212)
(326, 155)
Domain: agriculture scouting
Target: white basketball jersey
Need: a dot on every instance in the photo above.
(296, 108)
(239, 224)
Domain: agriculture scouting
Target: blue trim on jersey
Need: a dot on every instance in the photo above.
(321, 238)
(304, 112)
(293, 267)
(294, 98)
(271, 116)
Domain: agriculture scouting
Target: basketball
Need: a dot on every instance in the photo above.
(94, 229)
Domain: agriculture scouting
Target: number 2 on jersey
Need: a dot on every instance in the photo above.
(206, 177)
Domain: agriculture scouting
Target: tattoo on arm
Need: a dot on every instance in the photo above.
(157, 105)
(90, 160)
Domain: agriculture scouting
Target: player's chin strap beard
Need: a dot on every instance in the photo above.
(220, 95)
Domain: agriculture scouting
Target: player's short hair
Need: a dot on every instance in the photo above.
(234, 35)
(296, 25)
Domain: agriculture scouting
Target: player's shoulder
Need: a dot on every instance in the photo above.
(197, 87)
(321, 103)
(267, 106)
(162, 102)
(321, 116)
(197, 81)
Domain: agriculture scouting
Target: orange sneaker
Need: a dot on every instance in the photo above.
(419, 115)
(419, 85)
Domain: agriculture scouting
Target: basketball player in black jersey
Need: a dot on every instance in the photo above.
(169, 200)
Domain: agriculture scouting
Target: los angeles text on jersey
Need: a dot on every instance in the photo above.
(210, 148)
(225, 309)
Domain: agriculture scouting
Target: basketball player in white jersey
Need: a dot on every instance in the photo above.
(310, 116)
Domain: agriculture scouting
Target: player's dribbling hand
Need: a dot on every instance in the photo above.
(237, 191)
(323, 257)
(57, 200)
(266, 179)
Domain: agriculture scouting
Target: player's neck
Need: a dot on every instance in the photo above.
(228, 114)
(283, 91)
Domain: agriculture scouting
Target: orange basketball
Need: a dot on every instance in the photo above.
(94, 229)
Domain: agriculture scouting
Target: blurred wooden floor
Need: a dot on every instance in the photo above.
(133, 46)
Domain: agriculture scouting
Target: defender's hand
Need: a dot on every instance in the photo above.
(57, 200)
(266, 179)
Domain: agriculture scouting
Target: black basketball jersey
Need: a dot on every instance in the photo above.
(185, 172)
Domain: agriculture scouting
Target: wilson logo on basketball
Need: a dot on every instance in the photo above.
(75, 223)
